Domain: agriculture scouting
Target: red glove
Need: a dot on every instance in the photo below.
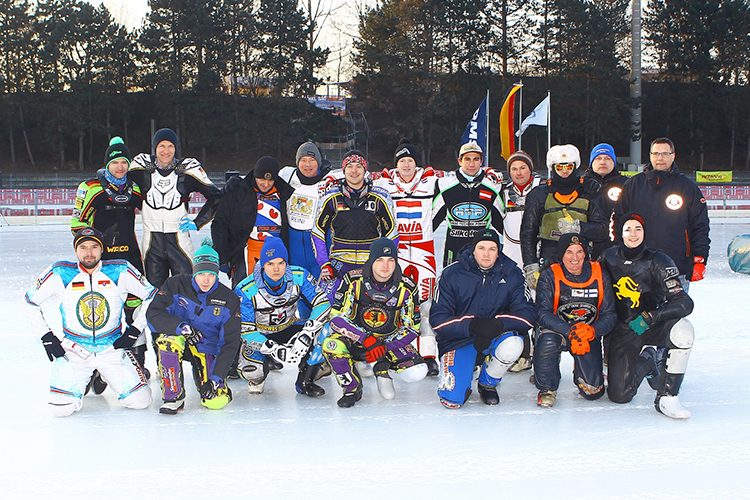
(375, 348)
(580, 336)
(699, 268)
(327, 272)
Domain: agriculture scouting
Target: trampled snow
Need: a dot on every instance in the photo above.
(283, 445)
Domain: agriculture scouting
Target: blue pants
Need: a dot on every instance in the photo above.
(303, 255)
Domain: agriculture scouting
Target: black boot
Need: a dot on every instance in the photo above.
(488, 394)
(305, 381)
(350, 398)
(432, 367)
(646, 368)
(273, 365)
(139, 352)
(97, 383)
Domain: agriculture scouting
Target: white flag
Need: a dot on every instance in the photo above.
(536, 117)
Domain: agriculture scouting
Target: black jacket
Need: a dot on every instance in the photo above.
(675, 212)
(648, 282)
(611, 188)
(593, 229)
(235, 217)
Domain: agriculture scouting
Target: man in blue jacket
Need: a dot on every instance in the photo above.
(480, 306)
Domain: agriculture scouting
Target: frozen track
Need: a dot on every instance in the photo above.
(290, 446)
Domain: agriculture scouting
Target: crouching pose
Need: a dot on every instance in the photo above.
(196, 319)
(376, 318)
(575, 308)
(651, 307)
(480, 306)
(91, 295)
(283, 313)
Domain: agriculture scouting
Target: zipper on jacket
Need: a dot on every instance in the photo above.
(91, 306)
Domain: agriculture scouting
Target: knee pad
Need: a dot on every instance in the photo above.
(682, 334)
(508, 349)
(414, 373)
(250, 364)
(333, 346)
(170, 343)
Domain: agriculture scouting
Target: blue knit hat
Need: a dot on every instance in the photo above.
(165, 134)
(273, 248)
(602, 149)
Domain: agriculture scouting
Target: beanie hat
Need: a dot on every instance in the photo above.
(206, 260)
(627, 251)
(266, 168)
(405, 149)
(470, 147)
(309, 149)
(487, 234)
(633, 216)
(117, 150)
(522, 156)
(602, 149)
(165, 134)
(354, 156)
(382, 247)
(570, 239)
(88, 234)
(273, 248)
(566, 153)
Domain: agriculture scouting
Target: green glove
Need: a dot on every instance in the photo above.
(640, 324)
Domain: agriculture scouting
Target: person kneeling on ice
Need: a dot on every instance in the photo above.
(575, 308)
(197, 319)
(651, 305)
(283, 313)
(480, 306)
(91, 295)
(375, 319)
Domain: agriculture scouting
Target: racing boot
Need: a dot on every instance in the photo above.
(488, 394)
(306, 380)
(432, 366)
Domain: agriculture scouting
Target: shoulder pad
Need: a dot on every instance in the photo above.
(143, 161)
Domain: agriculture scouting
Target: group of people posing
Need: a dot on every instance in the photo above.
(335, 272)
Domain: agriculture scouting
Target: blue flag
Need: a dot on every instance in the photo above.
(476, 130)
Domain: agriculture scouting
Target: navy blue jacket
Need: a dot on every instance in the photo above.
(465, 292)
(675, 212)
(216, 313)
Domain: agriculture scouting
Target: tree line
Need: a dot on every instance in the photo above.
(230, 75)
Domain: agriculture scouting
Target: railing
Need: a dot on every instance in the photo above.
(60, 201)
(65, 180)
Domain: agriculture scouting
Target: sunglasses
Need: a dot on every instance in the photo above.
(564, 166)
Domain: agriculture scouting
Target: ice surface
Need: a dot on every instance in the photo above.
(283, 445)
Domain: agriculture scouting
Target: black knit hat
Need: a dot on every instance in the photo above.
(406, 149)
(382, 247)
(487, 234)
(165, 134)
(117, 150)
(266, 168)
(570, 239)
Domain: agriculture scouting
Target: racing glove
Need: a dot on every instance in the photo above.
(127, 339)
(580, 336)
(375, 348)
(568, 224)
(327, 272)
(699, 268)
(532, 275)
(192, 335)
(187, 224)
(640, 324)
(53, 346)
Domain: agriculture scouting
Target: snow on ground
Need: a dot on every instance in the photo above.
(285, 445)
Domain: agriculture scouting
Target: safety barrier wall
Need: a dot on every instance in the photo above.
(60, 201)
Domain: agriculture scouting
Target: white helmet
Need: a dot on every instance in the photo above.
(566, 153)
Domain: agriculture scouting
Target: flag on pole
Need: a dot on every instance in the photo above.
(476, 130)
(540, 116)
(507, 140)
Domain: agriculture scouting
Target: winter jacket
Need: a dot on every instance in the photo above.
(611, 188)
(675, 212)
(216, 313)
(465, 292)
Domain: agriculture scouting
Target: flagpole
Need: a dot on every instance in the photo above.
(549, 121)
(520, 111)
(487, 132)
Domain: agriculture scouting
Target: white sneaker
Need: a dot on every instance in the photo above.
(255, 387)
(385, 387)
(671, 407)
